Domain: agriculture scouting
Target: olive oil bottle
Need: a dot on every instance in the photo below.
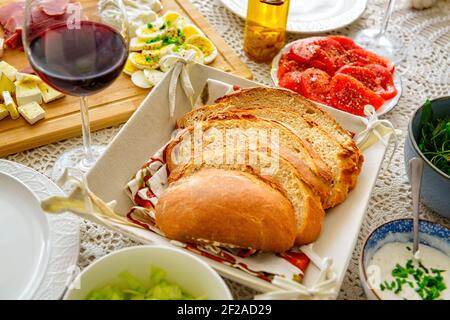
(265, 28)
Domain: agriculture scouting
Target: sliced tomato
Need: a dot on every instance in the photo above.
(318, 52)
(346, 42)
(291, 80)
(361, 57)
(375, 77)
(286, 65)
(304, 50)
(315, 85)
(364, 75)
(350, 95)
(323, 61)
(343, 60)
(331, 46)
(385, 79)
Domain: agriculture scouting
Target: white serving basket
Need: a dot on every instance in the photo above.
(150, 128)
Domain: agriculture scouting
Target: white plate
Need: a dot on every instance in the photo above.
(23, 240)
(137, 141)
(38, 252)
(316, 16)
(385, 108)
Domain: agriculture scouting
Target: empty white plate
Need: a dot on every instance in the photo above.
(306, 16)
(38, 252)
(23, 240)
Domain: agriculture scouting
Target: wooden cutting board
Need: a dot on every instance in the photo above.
(110, 107)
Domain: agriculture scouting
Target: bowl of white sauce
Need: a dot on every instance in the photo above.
(389, 270)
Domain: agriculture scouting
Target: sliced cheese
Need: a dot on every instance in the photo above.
(3, 112)
(27, 78)
(48, 93)
(8, 70)
(27, 92)
(6, 84)
(10, 105)
(32, 112)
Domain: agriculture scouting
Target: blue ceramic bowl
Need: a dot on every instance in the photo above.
(435, 189)
(400, 230)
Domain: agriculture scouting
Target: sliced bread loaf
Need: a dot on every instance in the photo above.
(309, 165)
(343, 162)
(227, 208)
(308, 211)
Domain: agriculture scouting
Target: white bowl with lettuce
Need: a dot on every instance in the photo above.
(148, 273)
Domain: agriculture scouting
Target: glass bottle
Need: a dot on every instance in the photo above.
(265, 28)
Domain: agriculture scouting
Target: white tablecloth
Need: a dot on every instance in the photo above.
(425, 74)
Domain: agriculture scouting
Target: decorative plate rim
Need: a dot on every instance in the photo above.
(64, 233)
(311, 27)
(385, 108)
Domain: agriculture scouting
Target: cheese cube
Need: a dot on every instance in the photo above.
(8, 70)
(27, 92)
(32, 112)
(10, 105)
(3, 112)
(6, 84)
(26, 77)
(48, 93)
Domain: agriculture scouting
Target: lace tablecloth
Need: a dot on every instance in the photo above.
(425, 74)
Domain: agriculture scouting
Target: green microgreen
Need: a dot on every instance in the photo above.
(434, 139)
(155, 39)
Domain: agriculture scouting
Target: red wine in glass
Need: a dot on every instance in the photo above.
(80, 61)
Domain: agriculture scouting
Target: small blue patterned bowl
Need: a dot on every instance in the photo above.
(431, 234)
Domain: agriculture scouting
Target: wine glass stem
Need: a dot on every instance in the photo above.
(387, 17)
(86, 129)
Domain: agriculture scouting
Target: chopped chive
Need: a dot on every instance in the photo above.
(428, 285)
(437, 271)
(423, 267)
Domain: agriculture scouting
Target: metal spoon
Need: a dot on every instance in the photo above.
(415, 170)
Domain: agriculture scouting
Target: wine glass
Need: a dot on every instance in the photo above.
(78, 48)
(376, 39)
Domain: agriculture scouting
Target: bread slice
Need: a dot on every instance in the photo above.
(345, 161)
(286, 99)
(310, 166)
(309, 213)
(342, 162)
(224, 207)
